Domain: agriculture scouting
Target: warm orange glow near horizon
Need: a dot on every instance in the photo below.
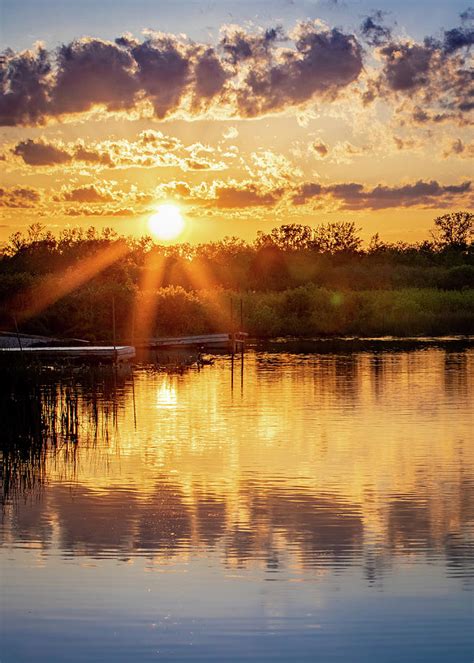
(239, 158)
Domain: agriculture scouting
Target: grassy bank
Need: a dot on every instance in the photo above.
(303, 311)
(312, 311)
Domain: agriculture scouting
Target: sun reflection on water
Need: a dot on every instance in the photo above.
(167, 395)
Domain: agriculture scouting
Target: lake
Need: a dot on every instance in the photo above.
(297, 506)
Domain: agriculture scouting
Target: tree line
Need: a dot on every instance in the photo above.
(64, 284)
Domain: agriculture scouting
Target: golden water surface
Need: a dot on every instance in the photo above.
(155, 516)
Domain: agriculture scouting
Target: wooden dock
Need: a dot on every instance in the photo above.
(18, 340)
(228, 342)
(95, 353)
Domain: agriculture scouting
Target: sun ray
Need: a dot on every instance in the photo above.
(53, 287)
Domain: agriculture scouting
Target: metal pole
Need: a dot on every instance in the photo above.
(18, 334)
(113, 328)
(232, 324)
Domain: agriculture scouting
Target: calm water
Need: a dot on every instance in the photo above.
(316, 507)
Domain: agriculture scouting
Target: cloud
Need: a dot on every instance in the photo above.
(322, 63)
(150, 149)
(210, 76)
(239, 45)
(306, 192)
(321, 149)
(468, 15)
(163, 71)
(40, 153)
(25, 83)
(93, 155)
(354, 196)
(19, 197)
(230, 195)
(271, 169)
(432, 78)
(230, 133)
(103, 199)
(91, 72)
(105, 210)
(91, 193)
(373, 31)
(458, 38)
(458, 148)
(243, 194)
(406, 65)
(246, 74)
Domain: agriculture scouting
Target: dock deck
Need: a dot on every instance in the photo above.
(107, 353)
(230, 342)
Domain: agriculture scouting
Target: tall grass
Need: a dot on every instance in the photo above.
(309, 310)
(312, 311)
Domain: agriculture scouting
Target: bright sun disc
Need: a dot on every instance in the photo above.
(167, 223)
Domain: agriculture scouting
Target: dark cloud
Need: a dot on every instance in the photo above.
(321, 149)
(468, 15)
(306, 192)
(39, 153)
(244, 195)
(93, 72)
(106, 210)
(458, 38)
(459, 148)
(87, 194)
(434, 78)
(355, 196)
(249, 72)
(406, 65)
(322, 63)
(91, 155)
(373, 31)
(150, 149)
(239, 45)
(25, 82)
(18, 197)
(163, 71)
(210, 77)
(42, 153)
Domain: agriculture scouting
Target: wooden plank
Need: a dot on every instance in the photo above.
(13, 340)
(120, 353)
(203, 340)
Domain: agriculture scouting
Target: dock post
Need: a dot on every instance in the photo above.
(113, 329)
(232, 326)
(18, 334)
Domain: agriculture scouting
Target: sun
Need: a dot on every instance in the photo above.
(167, 223)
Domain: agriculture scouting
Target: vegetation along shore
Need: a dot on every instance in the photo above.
(295, 280)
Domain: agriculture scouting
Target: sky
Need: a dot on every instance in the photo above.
(245, 115)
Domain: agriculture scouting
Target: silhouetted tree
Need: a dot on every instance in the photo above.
(336, 237)
(454, 230)
(288, 237)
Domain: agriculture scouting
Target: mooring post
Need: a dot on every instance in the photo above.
(133, 324)
(113, 329)
(232, 326)
(18, 334)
